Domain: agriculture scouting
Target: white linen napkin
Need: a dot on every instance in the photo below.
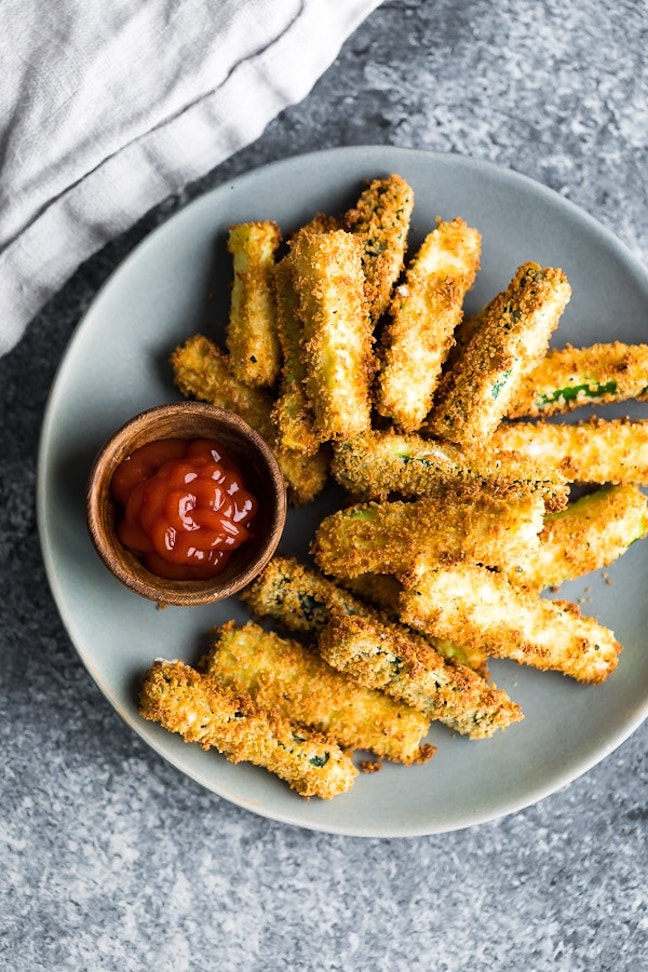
(107, 108)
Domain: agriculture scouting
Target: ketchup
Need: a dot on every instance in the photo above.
(184, 507)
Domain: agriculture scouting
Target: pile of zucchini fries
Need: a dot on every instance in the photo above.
(355, 361)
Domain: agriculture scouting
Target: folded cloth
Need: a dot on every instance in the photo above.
(108, 108)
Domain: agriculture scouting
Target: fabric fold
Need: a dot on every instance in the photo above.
(108, 112)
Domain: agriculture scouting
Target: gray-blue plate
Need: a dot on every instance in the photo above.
(175, 284)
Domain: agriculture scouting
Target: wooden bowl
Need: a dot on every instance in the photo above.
(261, 474)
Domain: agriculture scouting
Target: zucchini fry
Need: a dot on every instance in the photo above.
(283, 675)
(424, 312)
(184, 701)
(384, 591)
(384, 537)
(303, 600)
(292, 412)
(251, 338)
(592, 451)
(299, 598)
(512, 337)
(589, 534)
(475, 606)
(337, 338)
(381, 218)
(569, 377)
(376, 464)
(201, 370)
(407, 668)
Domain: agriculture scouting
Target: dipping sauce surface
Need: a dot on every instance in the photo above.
(184, 507)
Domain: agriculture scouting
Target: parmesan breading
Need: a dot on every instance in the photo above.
(424, 312)
(337, 335)
(284, 676)
(301, 599)
(476, 606)
(375, 464)
(384, 537)
(592, 451)
(252, 339)
(408, 668)
(384, 591)
(194, 705)
(292, 412)
(569, 377)
(591, 533)
(511, 338)
(381, 219)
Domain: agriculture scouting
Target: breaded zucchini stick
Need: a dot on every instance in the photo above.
(591, 533)
(475, 606)
(569, 377)
(283, 675)
(464, 334)
(252, 339)
(410, 670)
(381, 218)
(292, 412)
(183, 700)
(384, 591)
(592, 451)
(377, 463)
(337, 336)
(424, 312)
(302, 600)
(384, 537)
(201, 370)
(512, 337)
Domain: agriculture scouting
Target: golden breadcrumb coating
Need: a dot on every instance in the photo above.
(593, 451)
(337, 336)
(384, 590)
(424, 312)
(284, 676)
(591, 533)
(476, 606)
(187, 702)
(375, 464)
(408, 668)
(381, 219)
(292, 412)
(384, 537)
(252, 339)
(510, 340)
(319, 223)
(302, 600)
(569, 377)
(202, 369)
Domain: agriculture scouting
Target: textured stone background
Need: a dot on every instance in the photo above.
(109, 859)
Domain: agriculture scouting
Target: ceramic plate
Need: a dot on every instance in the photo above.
(175, 284)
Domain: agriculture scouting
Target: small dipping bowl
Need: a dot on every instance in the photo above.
(261, 476)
